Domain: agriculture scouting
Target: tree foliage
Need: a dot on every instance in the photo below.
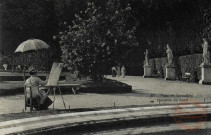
(181, 23)
(97, 38)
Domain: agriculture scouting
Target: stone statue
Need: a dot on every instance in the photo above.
(146, 57)
(206, 53)
(169, 55)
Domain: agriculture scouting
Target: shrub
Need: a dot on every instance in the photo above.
(97, 38)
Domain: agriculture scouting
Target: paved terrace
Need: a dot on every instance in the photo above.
(146, 92)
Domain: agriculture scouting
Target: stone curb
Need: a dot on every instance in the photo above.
(91, 117)
(18, 121)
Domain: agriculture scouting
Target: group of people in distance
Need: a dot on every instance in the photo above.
(118, 71)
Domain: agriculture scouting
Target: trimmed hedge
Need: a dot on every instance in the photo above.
(183, 64)
(134, 68)
(20, 78)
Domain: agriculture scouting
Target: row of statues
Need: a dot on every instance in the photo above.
(206, 54)
(168, 52)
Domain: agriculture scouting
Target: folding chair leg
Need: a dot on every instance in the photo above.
(38, 104)
(31, 104)
(25, 96)
(54, 93)
(25, 104)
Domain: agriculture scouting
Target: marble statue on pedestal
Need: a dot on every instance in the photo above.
(170, 69)
(146, 57)
(206, 65)
(147, 67)
(169, 55)
(206, 53)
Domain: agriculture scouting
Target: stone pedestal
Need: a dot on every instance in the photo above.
(147, 71)
(170, 73)
(205, 74)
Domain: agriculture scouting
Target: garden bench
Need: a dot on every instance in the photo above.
(186, 77)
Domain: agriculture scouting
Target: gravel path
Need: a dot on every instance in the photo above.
(157, 86)
(146, 91)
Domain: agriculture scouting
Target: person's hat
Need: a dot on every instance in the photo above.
(32, 70)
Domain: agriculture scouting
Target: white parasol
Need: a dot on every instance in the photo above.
(32, 44)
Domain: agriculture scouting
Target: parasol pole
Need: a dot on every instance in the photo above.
(47, 63)
(37, 60)
(12, 63)
(24, 67)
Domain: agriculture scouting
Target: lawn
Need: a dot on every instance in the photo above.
(87, 86)
(7, 85)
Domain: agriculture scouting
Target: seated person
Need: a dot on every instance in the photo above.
(37, 93)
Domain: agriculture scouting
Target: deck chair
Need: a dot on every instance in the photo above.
(29, 102)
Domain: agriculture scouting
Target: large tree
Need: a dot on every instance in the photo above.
(97, 38)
